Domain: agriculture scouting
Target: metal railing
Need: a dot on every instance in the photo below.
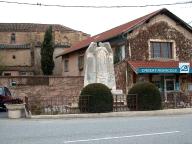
(177, 100)
(120, 103)
(53, 105)
(132, 102)
(69, 105)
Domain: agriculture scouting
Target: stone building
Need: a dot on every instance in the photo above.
(20, 46)
(156, 47)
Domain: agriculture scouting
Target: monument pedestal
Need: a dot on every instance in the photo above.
(119, 100)
(117, 92)
(118, 97)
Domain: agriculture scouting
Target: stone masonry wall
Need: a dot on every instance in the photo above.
(138, 42)
(44, 87)
(160, 31)
(120, 75)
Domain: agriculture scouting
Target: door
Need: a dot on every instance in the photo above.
(169, 87)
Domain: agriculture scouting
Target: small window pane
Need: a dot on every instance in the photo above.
(117, 55)
(155, 47)
(170, 85)
(13, 38)
(7, 74)
(81, 62)
(8, 93)
(123, 52)
(23, 73)
(164, 50)
(1, 91)
(169, 46)
(66, 63)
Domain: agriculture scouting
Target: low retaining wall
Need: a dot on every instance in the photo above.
(43, 86)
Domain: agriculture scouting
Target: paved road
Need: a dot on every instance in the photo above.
(136, 130)
(3, 114)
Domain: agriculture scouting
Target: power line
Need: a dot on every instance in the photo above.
(92, 6)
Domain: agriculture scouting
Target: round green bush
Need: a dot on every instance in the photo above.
(96, 98)
(148, 96)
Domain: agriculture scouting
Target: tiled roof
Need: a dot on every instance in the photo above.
(14, 46)
(154, 64)
(122, 29)
(18, 68)
(22, 46)
(31, 27)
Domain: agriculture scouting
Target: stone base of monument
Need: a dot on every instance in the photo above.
(119, 100)
(117, 92)
(118, 96)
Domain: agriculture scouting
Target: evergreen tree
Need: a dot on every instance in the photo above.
(47, 49)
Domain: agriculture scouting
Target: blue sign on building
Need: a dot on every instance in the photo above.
(182, 68)
(158, 70)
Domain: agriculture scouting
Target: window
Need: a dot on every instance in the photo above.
(1, 91)
(7, 74)
(119, 54)
(14, 57)
(190, 87)
(22, 73)
(170, 85)
(13, 39)
(66, 65)
(157, 84)
(38, 39)
(7, 92)
(161, 50)
(81, 62)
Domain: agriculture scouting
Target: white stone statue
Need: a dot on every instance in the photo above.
(99, 66)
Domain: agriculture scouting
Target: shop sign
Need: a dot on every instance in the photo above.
(184, 67)
(158, 70)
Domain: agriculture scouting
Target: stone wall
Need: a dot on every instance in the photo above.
(69, 37)
(26, 49)
(21, 37)
(60, 38)
(50, 87)
(139, 44)
(120, 75)
(139, 41)
(40, 86)
(15, 57)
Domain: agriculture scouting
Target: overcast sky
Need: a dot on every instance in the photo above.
(88, 20)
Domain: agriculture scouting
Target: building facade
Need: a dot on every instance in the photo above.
(20, 45)
(156, 48)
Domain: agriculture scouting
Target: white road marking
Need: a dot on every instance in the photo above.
(120, 137)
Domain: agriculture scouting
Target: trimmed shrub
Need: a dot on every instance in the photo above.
(96, 98)
(148, 96)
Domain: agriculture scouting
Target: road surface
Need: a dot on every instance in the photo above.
(125, 130)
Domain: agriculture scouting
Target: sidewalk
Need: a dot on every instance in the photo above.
(118, 114)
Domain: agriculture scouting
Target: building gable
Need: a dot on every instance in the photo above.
(126, 28)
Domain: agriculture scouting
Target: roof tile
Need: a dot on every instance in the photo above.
(31, 27)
